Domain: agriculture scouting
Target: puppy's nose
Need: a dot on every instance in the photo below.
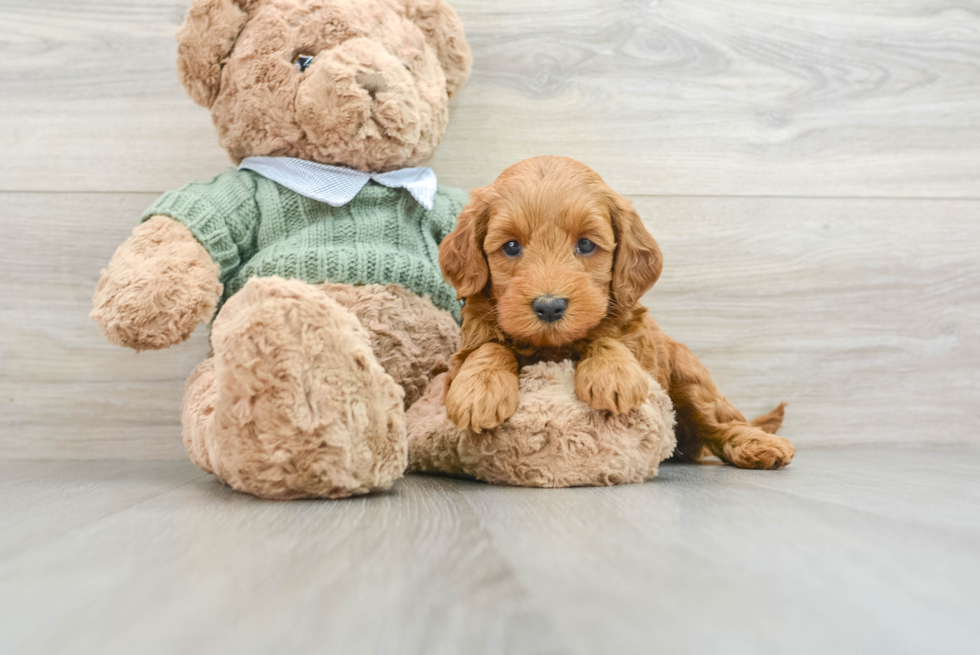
(548, 308)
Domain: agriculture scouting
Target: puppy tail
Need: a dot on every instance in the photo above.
(770, 422)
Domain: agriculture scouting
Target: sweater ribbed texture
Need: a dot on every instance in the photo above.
(252, 226)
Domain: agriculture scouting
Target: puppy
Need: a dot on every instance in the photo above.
(552, 264)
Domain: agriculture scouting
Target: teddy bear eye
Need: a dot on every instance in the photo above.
(302, 62)
(512, 249)
(584, 247)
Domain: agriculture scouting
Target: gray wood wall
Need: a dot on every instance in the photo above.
(810, 167)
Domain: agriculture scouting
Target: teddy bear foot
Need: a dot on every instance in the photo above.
(302, 408)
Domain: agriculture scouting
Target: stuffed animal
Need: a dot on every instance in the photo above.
(318, 255)
(316, 259)
(552, 440)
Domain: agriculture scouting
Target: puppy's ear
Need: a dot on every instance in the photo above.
(638, 260)
(444, 31)
(206, 37)
(461, 256)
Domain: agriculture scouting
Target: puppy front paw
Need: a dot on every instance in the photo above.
(615, 384)
(480, 400)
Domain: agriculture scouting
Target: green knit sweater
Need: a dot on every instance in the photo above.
(252, 226)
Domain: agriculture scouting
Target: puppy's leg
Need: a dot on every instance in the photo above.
(483, 393)
(609, 377)
(721, 427)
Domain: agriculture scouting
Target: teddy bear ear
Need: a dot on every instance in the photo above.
(444, 32)
(207, 35)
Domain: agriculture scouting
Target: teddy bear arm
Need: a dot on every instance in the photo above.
(159, 285)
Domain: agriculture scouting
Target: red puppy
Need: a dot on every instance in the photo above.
(552, 264)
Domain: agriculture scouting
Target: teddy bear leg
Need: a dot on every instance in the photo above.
(411, 337)
(197, 415)
(302, 407)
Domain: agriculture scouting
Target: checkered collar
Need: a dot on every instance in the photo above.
(336, 185)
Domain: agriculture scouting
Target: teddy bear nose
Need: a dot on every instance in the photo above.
(548, 308)
(373, 83)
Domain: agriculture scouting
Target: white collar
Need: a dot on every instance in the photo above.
(336, 185)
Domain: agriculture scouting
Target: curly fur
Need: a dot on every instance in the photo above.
(412, 339)
(547, 205)
(197, 414)
(158, 286)
(294, 403)
(374, 98)
(305, 394)
(552, 440)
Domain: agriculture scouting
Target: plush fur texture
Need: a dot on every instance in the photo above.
(552, 439)
(294, 402)
(374, 97)
(305, 394)
(548, 206)
(412, 339)
(159, 285)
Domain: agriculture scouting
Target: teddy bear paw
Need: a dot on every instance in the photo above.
(304, 409)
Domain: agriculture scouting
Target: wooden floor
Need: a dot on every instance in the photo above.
(857, 549)
(811, 170)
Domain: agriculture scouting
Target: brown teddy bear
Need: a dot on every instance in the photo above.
(306, 390)
(318, 256)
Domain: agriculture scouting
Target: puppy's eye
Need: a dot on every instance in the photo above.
(584, 247)
(512, 249)
(302, 62)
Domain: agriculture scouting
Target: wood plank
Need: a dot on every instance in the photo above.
(721, 97)
(203, 569)
(702, 559)
(35, 492)
(704, 562)
(66, 392)
(863, 314)
(886, 481)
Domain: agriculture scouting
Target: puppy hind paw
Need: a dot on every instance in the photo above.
(756, 449)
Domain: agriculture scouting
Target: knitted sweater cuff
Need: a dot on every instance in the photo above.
(206, 224)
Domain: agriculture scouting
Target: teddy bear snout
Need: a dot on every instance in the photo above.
(358, 91)
(374, 83)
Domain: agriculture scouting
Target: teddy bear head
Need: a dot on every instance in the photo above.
(357, 83)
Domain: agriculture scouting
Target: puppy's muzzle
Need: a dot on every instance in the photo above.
(548, 308)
